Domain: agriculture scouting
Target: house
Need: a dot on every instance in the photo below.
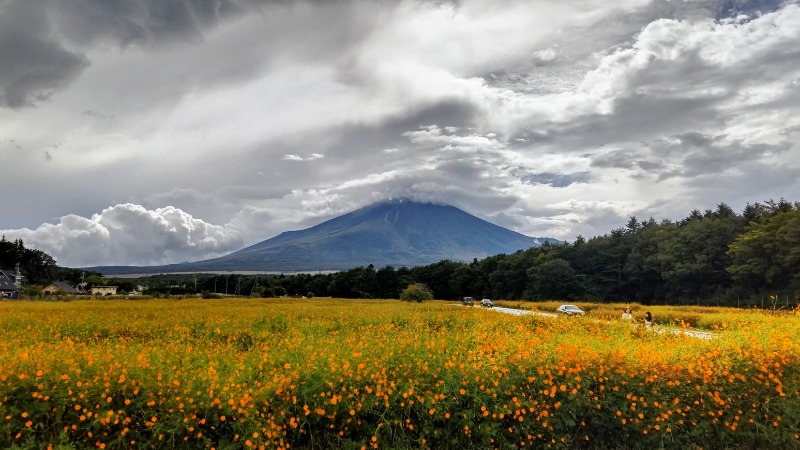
(62, 287)
(8, 287)
(104, 290)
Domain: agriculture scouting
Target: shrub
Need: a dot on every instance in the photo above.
(33, 291)
(416, 292)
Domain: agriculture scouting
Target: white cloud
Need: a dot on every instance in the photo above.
(293, 157)
(128, 234)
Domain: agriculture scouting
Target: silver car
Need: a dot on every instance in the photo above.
(570, 310)
(487, 303)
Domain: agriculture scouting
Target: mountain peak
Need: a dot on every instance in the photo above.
(396, 232)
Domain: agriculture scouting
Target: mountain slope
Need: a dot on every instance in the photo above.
(397, 233)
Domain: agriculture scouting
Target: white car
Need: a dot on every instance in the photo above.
(487, 303)
(570, 310)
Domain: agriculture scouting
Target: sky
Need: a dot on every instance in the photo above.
(140, 132)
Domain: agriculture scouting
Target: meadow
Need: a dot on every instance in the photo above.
(352, 374)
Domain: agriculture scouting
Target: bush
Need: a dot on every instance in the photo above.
(33, 291)
(416, 292)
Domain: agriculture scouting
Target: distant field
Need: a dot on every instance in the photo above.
(322, 373)
(703, 317)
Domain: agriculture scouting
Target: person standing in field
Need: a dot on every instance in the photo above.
(648, 319)
(626, 314)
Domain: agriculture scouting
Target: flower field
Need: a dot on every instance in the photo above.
(354, 374)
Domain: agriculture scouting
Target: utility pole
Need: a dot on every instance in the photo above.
(254, 286)
(18, 277)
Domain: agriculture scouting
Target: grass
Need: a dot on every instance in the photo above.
(333, 373)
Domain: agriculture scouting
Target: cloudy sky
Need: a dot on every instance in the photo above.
(151, 131)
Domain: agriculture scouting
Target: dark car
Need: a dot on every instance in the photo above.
(467, 301)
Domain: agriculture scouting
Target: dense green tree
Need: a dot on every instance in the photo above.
(554, 279)
(595, 263)
(387, 281)
(462, 281)
(437, 277)
(693, 255)
(318, 284)
(767, 255)
(643, 279)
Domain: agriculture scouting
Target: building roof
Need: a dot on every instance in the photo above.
(65, 287)
(7, 285)
(7, 278)
(7, 274)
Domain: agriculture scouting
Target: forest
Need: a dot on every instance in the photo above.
(714, 257)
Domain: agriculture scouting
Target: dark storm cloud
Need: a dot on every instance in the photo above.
(140, 21)
(626, 159)
(42, 42)
(733, 8)
(558, 180)
(636, 118)
(97, 115)
(37, 61)
(687, 155)
(699, 154)
(32, 65)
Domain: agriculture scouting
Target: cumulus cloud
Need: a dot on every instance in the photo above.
(128, 234)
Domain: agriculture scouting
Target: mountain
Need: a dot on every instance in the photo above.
(397, 233)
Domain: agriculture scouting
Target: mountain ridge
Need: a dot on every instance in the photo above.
(393, 232)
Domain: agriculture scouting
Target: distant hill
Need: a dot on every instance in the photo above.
(397, 233)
